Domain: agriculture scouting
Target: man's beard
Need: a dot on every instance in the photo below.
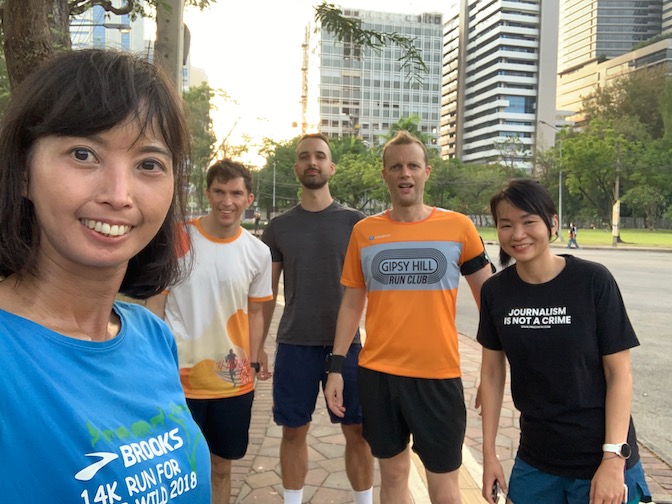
(313, 182)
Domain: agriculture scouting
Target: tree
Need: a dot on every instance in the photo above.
(593, 160)
(34, 30)
(276, 180)
(197, 100)
(357, 182)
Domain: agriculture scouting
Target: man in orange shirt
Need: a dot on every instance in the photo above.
(406, 262)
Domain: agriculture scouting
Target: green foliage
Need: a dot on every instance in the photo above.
(197, 100)
(277, 177)
(358, 182)
(350, 30)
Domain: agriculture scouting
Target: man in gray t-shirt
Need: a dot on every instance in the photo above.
(309, 243)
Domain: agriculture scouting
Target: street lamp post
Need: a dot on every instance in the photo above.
(560, 224)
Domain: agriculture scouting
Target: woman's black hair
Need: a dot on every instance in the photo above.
(83, 93)
(530, 196)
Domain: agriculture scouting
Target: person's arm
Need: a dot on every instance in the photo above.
(475, 281)
(256, 322)
(349, 315)
(607, 483)
(269, 307)
(157, 305)
(491, 389)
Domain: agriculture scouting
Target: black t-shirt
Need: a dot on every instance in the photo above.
(311, 247)
(554, 336)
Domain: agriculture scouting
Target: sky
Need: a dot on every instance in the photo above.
(251, 49)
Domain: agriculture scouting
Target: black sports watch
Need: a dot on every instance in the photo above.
(623, 450)
(256, 366)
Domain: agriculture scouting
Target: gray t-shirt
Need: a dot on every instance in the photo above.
(311, 247)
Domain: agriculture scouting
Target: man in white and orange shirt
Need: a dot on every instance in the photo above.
(216, 315)
(406, 262)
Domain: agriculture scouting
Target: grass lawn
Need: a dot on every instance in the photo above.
(631, 237)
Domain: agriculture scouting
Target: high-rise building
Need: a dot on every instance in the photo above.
(97, 28)
(352, 91)
(667, 16)
(499, 79)
(601, 40)
(597, 30)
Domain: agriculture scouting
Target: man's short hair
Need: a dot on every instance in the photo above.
(225, 170)
(319, 136)
(404, 138)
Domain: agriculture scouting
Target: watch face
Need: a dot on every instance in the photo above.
(626, 451)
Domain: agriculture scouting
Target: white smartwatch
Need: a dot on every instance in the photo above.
(623, 450)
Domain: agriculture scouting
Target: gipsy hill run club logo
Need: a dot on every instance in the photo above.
(409, 266)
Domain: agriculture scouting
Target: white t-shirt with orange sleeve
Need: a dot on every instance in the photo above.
(208, 312)
(411, 272)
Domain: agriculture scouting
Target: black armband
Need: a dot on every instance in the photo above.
(335, 363)
(477, 263)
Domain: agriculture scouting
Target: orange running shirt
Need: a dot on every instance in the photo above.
(411, 271)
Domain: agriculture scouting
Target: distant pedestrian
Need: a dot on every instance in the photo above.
(572, 237)
(257, 222)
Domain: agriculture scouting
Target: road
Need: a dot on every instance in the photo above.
(645, 280)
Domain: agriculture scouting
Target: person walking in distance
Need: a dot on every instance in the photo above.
(407, 262)
(216, 315)
(308, 243)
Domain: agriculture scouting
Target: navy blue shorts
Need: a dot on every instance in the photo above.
(529, 485)
(432, 410)
(299, 375)
(225, 423)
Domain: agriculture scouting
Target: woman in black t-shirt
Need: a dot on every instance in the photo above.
(561, 323)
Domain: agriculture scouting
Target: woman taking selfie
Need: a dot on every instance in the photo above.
(93, 151)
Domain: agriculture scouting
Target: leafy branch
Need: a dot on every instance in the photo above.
(350, 30)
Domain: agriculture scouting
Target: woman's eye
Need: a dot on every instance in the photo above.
(82, 154)
(150, 165)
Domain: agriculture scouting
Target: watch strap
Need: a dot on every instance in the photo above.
(335, 363)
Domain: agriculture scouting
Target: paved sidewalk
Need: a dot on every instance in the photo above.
(256, 477)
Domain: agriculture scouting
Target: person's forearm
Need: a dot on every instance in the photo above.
(255, 318)
(618, 400)
(349, 315)
(267, 311)
(493, 378)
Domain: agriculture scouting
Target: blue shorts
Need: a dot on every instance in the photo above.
(532, 486)
(225, 423)
(299, 375)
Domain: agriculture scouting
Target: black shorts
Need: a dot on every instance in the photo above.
(433, 411)
(225, 423)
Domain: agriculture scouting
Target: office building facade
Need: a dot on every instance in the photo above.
(597, 30)
(351, 91)
(499, 80)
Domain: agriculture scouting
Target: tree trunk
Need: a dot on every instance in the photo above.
(28, 40)
(59, 24)
(169, 47)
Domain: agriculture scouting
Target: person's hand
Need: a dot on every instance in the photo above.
(607, 485)
(477, 401)
(264, 372)
(492, 471)
(333, 392)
